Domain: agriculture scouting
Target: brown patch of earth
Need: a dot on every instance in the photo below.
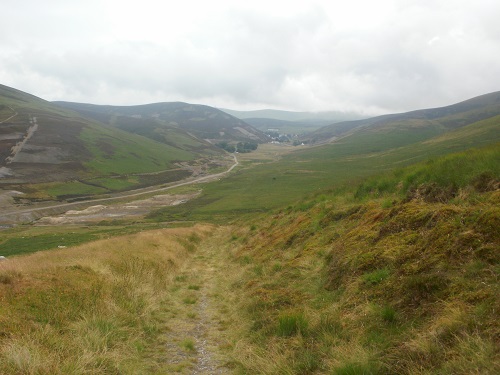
(132, 209)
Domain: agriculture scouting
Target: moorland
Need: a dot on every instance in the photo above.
(372, 247)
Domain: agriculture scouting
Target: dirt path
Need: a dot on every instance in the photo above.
(196, 336)
(19, 146)
(132, 194)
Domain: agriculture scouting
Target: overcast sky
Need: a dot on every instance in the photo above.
(351, 55)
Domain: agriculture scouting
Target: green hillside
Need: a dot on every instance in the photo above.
(307, 170)
(377, 254)
(397, 276)
(416, 124)
(61, 154)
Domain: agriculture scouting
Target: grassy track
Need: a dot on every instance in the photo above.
(99, 308)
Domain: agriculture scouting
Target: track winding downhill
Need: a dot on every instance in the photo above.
(131, 194)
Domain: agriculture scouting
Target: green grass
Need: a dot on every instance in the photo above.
(26, 245)
(26, 240)
(117, 184)
(128, 154)
(380, 288)
(188, 345)
(292, 324)
(74, 188)
(376, 277)
(340, 283)
(310, 171)
(476, 167)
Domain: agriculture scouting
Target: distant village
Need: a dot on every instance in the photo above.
(277, 137)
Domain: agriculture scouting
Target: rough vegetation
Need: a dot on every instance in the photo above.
(375, 280)
(100, 308)
(349, 285)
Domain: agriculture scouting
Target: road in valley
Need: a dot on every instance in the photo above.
(131, 194)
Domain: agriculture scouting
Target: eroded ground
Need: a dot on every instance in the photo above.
(137, 208)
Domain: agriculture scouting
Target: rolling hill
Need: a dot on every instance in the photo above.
(414, 125)
(42, 143)
(395, 275)
(159, 120)
(363, 153)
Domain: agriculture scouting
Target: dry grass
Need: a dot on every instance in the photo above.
(99, 308)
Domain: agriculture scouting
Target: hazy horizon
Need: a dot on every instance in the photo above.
(365, 57)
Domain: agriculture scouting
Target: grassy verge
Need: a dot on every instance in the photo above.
(351, 283)
(29, 239)
(99, 308)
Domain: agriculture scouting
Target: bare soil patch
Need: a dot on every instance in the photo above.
(102, 212)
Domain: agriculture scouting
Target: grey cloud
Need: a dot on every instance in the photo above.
(407, 55)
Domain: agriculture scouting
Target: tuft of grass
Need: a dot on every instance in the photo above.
(356, 368)
(388, 314)
(375, 277)
(307, 361)
(189, 300)
(188, 345)
(291, 324)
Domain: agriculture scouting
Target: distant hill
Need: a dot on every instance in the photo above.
(41, 142)
(283, 126)
(289, 121)
(154, 120)
(310, 117)
(432, 121)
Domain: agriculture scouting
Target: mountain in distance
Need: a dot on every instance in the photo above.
(44, 143)
(292, 122)
(424, 123)
(159, 120)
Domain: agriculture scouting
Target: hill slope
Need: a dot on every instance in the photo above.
(418, 124)
(399, 276)
(44, 143)
(312, 169)
(152, 120)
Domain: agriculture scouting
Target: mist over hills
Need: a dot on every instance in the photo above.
(292, 122)
(330, 116)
